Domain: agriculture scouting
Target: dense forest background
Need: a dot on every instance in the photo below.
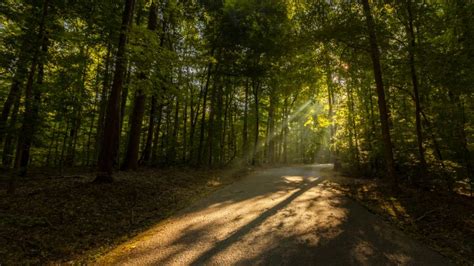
(379, 89)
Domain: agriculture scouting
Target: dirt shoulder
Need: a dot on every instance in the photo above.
(445, 222)
(67, 218)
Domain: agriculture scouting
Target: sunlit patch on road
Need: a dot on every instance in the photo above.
(284, 216)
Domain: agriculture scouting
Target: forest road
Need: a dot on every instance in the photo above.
(280, 216)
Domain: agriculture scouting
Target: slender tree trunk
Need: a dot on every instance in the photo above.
(146, 156)
(352, 127)
(156, 138)
(89, 139)
(383, 109)
(185, 126)
(53, 138)
(285, 131)
(194, 120)
(110, 140)
(13, 94)
(123, 101)
(103, 104)
(227, 116)
(245, 134)
(414, 79)
(203, 117)
(271, 128)
(32, 97)
(136, 120)
(256, 88)
(71, 147)
(8, 147)
(219, 127)
(330, 114)
(173, 134)
(63, 147)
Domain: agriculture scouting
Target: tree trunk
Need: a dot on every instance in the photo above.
(124, 98)
(156, 138)
(8, 146)
(330, 114)
(185, 128)
(146, 156)
(271, 128)
(383, 109)
(110, 140)
(285, 131)
(256, 89)
(71, 147)
(103, 104)
(136, 120)
(203, 117)
(32, 97)
(414, 79)
(13, 94)
(173, 137)
(245, 134)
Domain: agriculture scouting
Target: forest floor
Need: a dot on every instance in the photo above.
(443, 221)
(55, 218)
(269, 215)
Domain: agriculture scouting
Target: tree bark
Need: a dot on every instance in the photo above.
(110, 140)
(245, 144)
(136, 120)
(13, 94)
(382, 104)
(414, 79)
(8, 146)
(103, 103)
(146, 155)
(156, 139)
(203, 116)
(32, 97)
(330, 115)
(271, 128)
(256, 89)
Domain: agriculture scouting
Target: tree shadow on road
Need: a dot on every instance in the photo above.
(309, 222)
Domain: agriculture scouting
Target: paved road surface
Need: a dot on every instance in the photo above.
(281, 216)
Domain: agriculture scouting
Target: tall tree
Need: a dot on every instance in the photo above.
(32, 94)
(382, 103)
(136, 119)
(110, 140)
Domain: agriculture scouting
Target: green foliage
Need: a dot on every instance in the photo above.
(279, 80)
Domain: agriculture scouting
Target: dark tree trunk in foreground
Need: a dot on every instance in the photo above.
(136, 120)
(32, 97)
(110, 139)
(383, 109)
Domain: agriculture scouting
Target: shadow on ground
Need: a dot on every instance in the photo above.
(277, 216)
(54, 218)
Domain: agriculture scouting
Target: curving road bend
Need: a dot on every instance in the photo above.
(280, 216)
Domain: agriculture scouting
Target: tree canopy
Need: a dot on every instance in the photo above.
(380, 89)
